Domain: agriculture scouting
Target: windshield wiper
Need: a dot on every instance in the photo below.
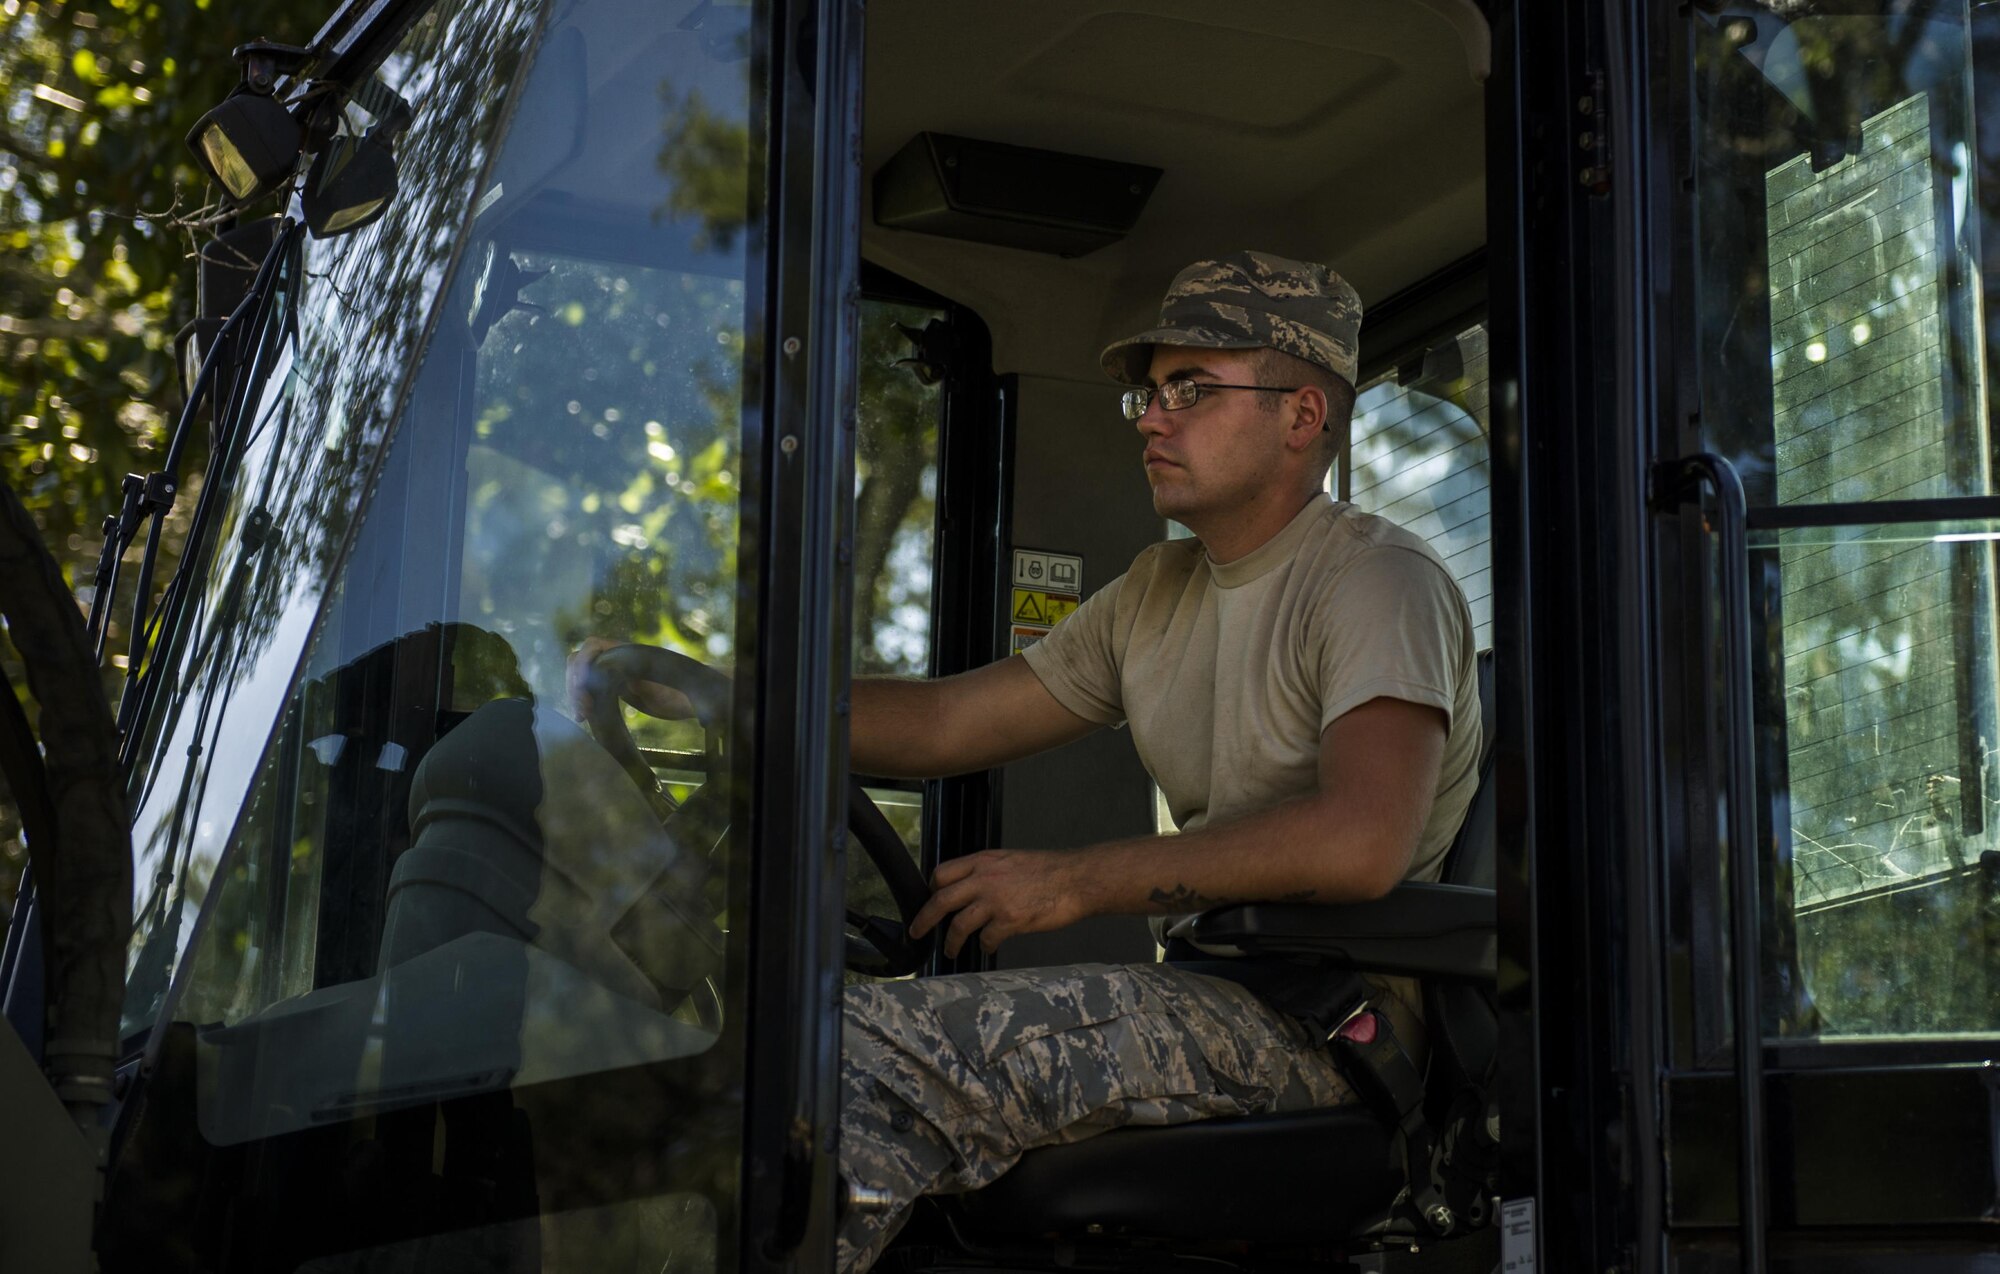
(151, 497)
(161, 916)
(147, 500)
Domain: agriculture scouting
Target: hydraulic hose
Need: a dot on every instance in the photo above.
(83, 868)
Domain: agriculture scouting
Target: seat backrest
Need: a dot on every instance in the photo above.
(1470, 860)
(1463, 1020)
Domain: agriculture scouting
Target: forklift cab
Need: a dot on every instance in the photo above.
(764, 334)
(422, 970)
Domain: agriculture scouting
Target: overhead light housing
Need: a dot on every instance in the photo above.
(249, 145)
(350, 183)
(1014, 196)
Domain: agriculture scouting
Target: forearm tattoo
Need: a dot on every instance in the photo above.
(1182, 898)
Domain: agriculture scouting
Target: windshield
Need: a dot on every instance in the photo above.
(409, 914)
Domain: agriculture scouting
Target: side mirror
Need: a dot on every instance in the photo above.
(191, 346)
(228, 265)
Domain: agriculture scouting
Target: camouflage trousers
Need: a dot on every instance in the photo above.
(947, 1081)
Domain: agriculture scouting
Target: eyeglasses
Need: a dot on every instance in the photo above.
(1178, 395)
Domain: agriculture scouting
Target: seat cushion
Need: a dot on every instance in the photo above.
(1292, 1178)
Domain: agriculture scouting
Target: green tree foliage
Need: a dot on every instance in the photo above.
(608, 405)
(895, 496)
(99, 204)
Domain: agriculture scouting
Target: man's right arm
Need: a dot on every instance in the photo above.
(920, 729)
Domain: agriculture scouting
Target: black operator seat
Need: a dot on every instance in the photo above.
(1316, 1177)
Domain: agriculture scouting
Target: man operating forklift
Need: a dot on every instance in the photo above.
(1300, 682)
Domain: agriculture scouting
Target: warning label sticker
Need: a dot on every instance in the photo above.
(1517, 1236)
(1036, 606)
(1047, 586)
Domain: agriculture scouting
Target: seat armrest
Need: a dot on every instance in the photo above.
(1417, 929)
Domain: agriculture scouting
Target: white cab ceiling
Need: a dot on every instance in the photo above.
(1348, 131)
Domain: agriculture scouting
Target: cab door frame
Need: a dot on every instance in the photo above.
(804, 438)
(1570, 364)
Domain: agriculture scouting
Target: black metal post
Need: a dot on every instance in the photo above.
(1746, 964)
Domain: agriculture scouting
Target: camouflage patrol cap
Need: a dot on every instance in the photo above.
(1251, 300)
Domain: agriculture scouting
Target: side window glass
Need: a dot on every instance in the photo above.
(895, 497)
(1418, 456)
(1875, 628)
(1836, 228)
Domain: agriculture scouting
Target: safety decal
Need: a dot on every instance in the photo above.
(1517, 1236)
(1047, 586)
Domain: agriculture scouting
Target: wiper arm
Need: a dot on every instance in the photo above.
(152, 496)
(217, 667)
(152, 969)
(147, 500)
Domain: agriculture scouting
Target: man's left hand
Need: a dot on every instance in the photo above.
(998, 893)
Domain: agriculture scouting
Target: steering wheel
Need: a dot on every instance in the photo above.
(875, 944)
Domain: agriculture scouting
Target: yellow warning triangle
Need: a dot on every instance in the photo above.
(1029, 607)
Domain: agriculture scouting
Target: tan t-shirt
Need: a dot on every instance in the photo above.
(1229, 674)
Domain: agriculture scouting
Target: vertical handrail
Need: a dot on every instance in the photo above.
(1746, 964)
